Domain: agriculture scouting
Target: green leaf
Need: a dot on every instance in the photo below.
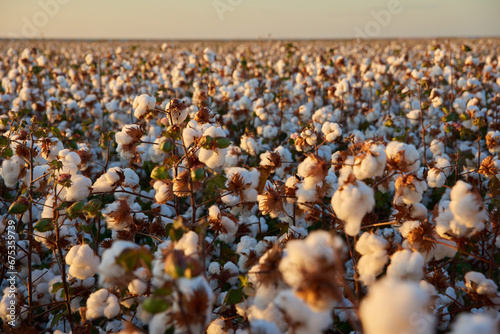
(155, 305)
(220, 181)
(8, 153)
(234, 297)
(77, 207)
(3, 141)
(20, 206)
(44, 225)
(92, 207)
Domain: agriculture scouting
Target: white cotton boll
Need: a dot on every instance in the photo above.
(493, 141)
(10, 171)
(406, 264)
(102, 303)
(159, 323)
(232, 269)
(351, 202)
(308, 320)
(371, 164)
(404, 312)
(467, 323)
(477, 282)
(249, 145)
(79, 189)
(413, 116)
(437, 147)
(142, 104)
(436, 178)
(467, 206)
(188, 243)
(163, 192)
(109, 271)
(264, 327)
(410, 189)
(82, 261)
(404, 156)
(331, 130)
(441, 251)
(70, 161)
(307, 257)
(270, 131)
(373, 249)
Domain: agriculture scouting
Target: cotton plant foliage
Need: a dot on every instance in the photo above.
(270, 187)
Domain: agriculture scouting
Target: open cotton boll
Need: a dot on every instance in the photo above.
(371, 163)
(351, 202)
(467, 323)
(11, 169)
(436, 178)
(308, 321)
(402, 157)
(406, 264)
(70, 161)
(306, 264)
(467, 206)
(79, 189)
(437, 147)
(214, 157)
(493, 141)
(243, 185)
(409, 188)
(82, 261)
(188, 243)
(249, 145)
(142, 104)
(109, 271)
(374, 251)
(102, 304)
(314, 170)
(399, 313)
(477, 282)
(331, 131)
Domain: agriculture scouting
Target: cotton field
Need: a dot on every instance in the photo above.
(256, 187)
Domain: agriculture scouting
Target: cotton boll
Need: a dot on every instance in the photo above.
(406, 264)
(249, 145)
(467, 323)
(351, 202)
(370, 164)
(402, 157)
(102, 303)
(437, 147)
(309, 260)
(79, 189)
(405, 312)
(477, 282)
(331, 131)
(436, 178)
(142, 104)
(82, 261)
(188, 243)
(11, 170)
(409, 188)
(109, 271)
(308, 321)
(373, 249)
(467, 206)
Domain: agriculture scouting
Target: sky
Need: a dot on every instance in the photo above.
(248, 19)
